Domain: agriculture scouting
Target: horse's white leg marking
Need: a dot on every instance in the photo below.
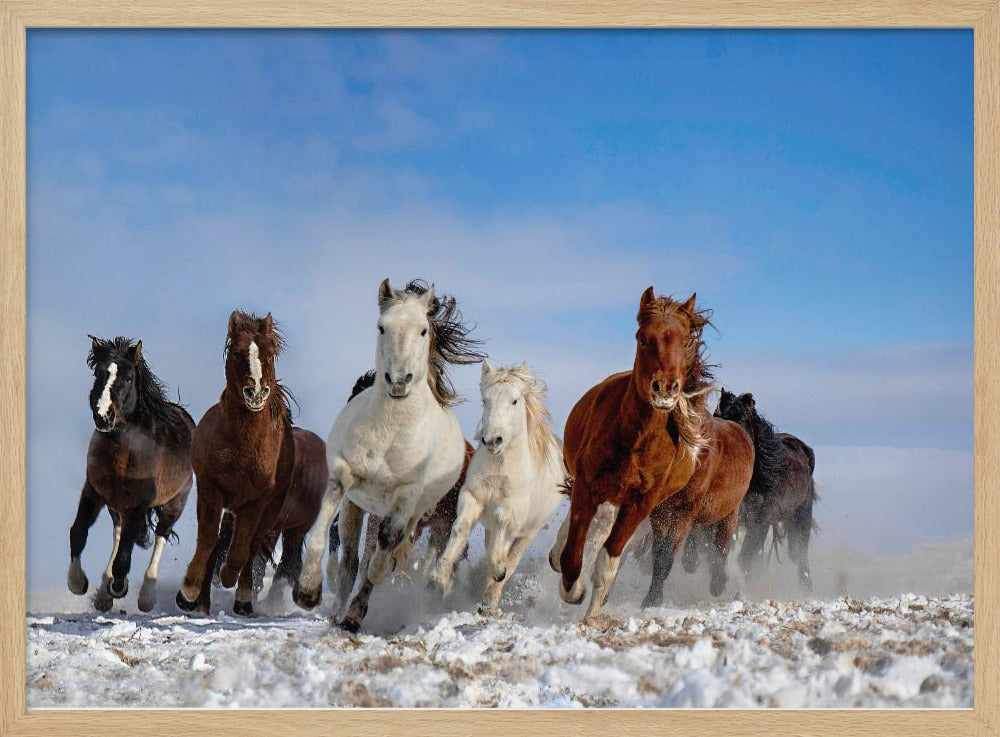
(147, 594)
(103, 599)
(104, 401)
(311, 578)
(469, 512)
(256, 372)
(605, 570)
(497, 545)
(495, 588)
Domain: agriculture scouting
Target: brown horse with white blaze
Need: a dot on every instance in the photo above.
(244, 458)
(634, 440)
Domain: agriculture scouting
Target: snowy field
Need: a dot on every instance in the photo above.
(862, 641)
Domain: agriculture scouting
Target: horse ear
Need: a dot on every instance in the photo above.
(135, 354)
(747, 398)
(385, 292)
(93, 342)
(689, 305)
(487, 369)
(428, 297)
(647, 298)
(268, 323)
(234, 321)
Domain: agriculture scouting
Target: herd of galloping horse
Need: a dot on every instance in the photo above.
(642, 444)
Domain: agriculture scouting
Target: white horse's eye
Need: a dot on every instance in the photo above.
(423, 332)
(381, 329)
(514, 402)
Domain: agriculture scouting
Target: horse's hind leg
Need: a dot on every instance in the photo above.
(630, 516)
(671, 528)
(290, 566)
(91, 504)
(166, 516)
(102, 599)
(469, 512)
(722, 540)
(225, 539)
(799, 530)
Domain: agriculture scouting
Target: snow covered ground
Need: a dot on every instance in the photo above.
(859, 642)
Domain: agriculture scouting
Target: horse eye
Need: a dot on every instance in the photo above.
(381, 329)
(423, 332)
(514, 402)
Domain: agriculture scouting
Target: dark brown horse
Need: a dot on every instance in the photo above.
(782, 491)
(711, 500)
(138, 465)
(634, 439)
(243, 454)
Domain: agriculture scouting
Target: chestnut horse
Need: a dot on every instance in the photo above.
(711, 500)
(138, 465)
(634, 440)
(244, 458)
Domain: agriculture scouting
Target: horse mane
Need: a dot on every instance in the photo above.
(533, 391)
(281, 396)
(152, 407)
(450, 341)
(691, 412)
(769, 453)
(365, 381)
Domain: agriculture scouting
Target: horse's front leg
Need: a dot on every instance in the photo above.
(630, 516)
(308, 590)
(393, 530)
(166, 516)
(91, 504)
(582, 508)
(195, 591)
(671, 527)
(723, 538)
(494, 588)
(133, 524)
(469, 512)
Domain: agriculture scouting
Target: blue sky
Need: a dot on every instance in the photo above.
(815, 188)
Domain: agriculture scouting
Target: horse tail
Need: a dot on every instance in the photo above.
(365, 381)
(566, 487)
(145, 522)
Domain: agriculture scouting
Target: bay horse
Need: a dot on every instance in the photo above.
(634, 440)
(138, 466)
(244, 455)
(514, 479)
(397, 448)
(782, 490)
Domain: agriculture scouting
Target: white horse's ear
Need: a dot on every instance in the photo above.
(427, 298)
(385, 292)
(487, 369)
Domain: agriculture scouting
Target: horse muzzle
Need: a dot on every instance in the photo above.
(399, 390)
(106, 423)
(255, 401)
(664, 403)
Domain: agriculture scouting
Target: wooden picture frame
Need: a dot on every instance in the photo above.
(16, 16)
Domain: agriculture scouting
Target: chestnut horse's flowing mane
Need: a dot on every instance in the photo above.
(539, 417)
(450, 341)
(691, 411)
(282, 397)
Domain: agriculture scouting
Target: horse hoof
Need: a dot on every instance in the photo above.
(554, 561)
(116, 589)
(499, 577)
(489, 610)
(350, 624)
(243, 608)
(717, 587)
(103, 603)
(183, 604)
(805, 580)
(228, 575)
(652, 600)
(306, 599)
(78, 584)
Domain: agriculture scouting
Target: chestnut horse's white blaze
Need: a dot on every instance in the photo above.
(256, 370)
(513, 480)
(104, 401)
(394, 451)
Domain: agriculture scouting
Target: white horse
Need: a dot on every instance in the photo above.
(513, 482)
(396, 448)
